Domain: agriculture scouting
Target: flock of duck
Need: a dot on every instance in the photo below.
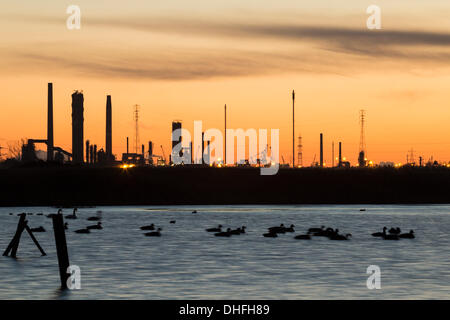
(72, 216)
(394, 234)
(330, 233)
(273, 232)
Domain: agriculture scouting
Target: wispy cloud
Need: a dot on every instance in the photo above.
(178, 64)
(295, 48)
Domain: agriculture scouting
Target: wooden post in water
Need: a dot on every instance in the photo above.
(34, 239)
(14, 244)
(61, 248)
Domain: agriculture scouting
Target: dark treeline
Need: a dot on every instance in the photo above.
(78, 186)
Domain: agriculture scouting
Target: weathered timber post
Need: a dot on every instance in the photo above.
(61, 248)
(14, 244)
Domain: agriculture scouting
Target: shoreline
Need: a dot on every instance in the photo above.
(101, 186)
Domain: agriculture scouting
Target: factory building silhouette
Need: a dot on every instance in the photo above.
(88, 152)
(57, 154)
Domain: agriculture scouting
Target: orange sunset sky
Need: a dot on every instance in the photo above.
(185, 59)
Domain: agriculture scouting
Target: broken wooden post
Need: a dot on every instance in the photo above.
(34, 239)
(14, 244)
(61, 248)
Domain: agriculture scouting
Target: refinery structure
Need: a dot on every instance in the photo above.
(86, 152)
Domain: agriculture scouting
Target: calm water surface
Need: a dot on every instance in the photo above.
(119, 262)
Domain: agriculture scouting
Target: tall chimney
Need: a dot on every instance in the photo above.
(225, 133)
(50, 122)
(87, 152)
(108, 128)
(127, 145)
(91, 152)
(143, 150)
(208, 152)
(150, 152)
(340, 154)
(77, 127)
(203, 147)
(321, 150)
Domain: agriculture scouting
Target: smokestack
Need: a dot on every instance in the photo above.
(50, 122)
(127, 145)
(340, 154)
(143, 151)
(108, 128)
(91, 152)
(321, 150)
(77, 127)
(87, 151)
(203, 147)
(225, 133)
(150, 153)
(95, 153)
(293, 128)
(208, 151)
(332, 154)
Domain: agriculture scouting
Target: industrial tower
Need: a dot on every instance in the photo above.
(136, 133)
(77, 127)
(225, 133)
(293, 129)
(332, 154)
(362, 143)
(321, 150)
(50, 143)
(108, 144)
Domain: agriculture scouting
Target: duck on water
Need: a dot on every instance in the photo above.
(97, 226)
(315, 230)
(149, 227)
(82, 231)
(279, 229)
(73, 215)
(218, 229)
(324, 233)
(395, 231)
(290, 229)
(52, 214)
(386, 236)
(40, 229)
(156, 233)
(270, 234)
(238, 231)
(223, 233)
(330, 233)
(409, 235)
(379, 234)
(303, 237)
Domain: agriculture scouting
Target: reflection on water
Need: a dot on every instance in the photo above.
(119, 262)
